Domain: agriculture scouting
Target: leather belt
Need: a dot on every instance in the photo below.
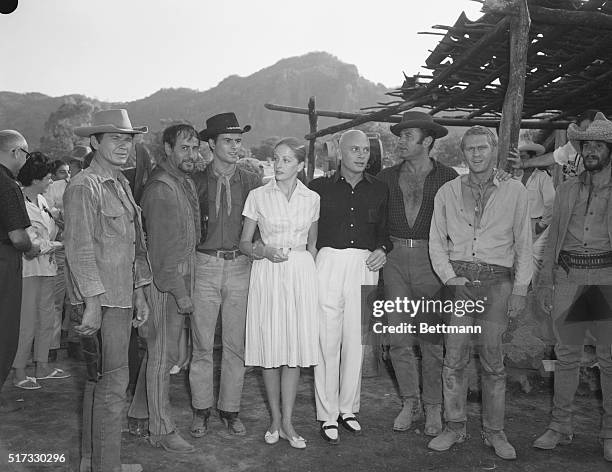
(409, 242)
(222, 254)
(574, 260)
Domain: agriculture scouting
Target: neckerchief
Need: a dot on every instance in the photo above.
(223, 180)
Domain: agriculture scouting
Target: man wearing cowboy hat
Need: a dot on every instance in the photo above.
(578, 272)
(108, 264)
(480, 231)
(413, 184)
(221, 276)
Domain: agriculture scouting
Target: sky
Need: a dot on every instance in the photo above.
(122, 50)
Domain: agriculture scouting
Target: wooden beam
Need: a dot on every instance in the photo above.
(510, 125)
(312, 120)
(491, 123)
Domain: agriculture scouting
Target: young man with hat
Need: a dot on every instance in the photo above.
(480, 244)
(413, 184)
(577, 272)
(221, 277)
(108, 265)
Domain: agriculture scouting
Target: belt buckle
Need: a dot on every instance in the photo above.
(410, 243)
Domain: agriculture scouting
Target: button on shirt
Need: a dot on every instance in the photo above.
(352, 217)
(502, 235)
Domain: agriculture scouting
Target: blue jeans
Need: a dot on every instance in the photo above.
(496, 287)
(104, 400)
(408, 273)
(571, 340)
(219, 284)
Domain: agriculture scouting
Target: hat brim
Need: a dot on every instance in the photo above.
(207, 134)
(576, 134)
(438, 130)
(86, 131)
(534, 147)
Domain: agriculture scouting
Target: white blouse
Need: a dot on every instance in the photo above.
(42, 232)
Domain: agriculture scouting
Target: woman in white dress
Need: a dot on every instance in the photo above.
(282, 324)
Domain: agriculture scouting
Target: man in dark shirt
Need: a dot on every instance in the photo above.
(13, 242)
(413, 184)
(221, 276)
(353, 241)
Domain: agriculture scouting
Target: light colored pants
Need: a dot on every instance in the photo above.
(219, 284)
(340, 273)
(36, 320)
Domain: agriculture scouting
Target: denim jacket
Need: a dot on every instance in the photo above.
(106, 252)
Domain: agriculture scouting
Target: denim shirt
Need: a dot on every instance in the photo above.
(106, 252)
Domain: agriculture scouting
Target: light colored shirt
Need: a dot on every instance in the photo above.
(565, 154)
(502, 237)
(42, 232)
(283, 223)
(541, 195)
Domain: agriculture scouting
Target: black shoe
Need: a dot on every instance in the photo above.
(199, 423)
(232, 422)
(324, 435)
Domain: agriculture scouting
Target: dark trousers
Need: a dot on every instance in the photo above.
(10, 306)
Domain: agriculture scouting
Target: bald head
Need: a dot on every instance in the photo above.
(12, 144)
(11, 139)
(350, 136)
(355, 152)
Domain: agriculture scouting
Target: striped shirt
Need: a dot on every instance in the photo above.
(282, 223)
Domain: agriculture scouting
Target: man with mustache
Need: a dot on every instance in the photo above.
(575, 281)
(221, 276)
(172, 219)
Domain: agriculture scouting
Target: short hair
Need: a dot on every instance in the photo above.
(35, 168)
(480, 131)
(298, 147)
(586, 115)
(9, 139)
(172, 133)
(56, 165)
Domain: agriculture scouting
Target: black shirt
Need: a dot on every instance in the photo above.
(352, 217)
(13, 213)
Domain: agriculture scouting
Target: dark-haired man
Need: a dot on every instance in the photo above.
(221, 276)
(107, 260)
(172, 219)
(578, 266)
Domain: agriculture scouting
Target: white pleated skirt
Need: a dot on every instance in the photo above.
(282, 324)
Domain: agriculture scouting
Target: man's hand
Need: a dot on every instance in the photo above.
(516, 304)
(460, 289)
(33, 252)
(185, 305)
(92, 317)
(258, 248)
(502, 175)
(514, 158)
(275, 254)
(545, 297)
(141, 308)
(376, 260)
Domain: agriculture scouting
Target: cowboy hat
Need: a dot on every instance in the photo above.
(532, 147)
(599, 130)
(222, 123)
(418, 119)
(110, 121)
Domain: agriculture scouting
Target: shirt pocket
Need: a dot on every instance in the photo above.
(113, 220)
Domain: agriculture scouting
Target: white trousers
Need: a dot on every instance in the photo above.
(340, 273)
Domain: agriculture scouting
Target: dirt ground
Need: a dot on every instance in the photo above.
(50, 423)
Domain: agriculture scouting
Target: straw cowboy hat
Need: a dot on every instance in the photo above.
(599, 130)
(220, 124)
(110, 121)
(532, 147)
(418, 119)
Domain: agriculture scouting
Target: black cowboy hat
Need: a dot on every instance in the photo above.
(222, 123)
(418, 119)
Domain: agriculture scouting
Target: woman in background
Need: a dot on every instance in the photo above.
(282, 316)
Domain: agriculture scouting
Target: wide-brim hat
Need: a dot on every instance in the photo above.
(110, 121)
(532, 147)
(599, 130)
(418, 119)
(220, 124)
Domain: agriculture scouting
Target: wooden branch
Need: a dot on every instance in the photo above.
(510, 125)
(556, 16)
(491, 123)
(312, 121)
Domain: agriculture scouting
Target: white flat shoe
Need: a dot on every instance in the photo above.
(297, 442)
(271, 438)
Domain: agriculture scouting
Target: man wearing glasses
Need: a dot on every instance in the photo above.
(14, 241)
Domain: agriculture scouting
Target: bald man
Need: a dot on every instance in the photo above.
(14, 241)
(353, 242)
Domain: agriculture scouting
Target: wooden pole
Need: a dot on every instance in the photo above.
(510, 125)
(312, 120)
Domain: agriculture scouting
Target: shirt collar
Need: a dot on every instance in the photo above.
(337, 176)
(300, 188)
(101, 172)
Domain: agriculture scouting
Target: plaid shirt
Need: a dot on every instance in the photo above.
(398, 224)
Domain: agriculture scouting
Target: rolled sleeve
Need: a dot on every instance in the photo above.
(523, 245)
(438, 241)
(79, 216)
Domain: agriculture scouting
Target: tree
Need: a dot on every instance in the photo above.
(265, 149)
